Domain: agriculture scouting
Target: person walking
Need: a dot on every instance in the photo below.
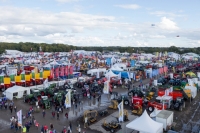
(43, 113)
(79, 129)
(66, 115)
(70, 125)
(51, 126)
(15, 109)
(11, 109)
(53, 114)
(57, 115)
(24, 129)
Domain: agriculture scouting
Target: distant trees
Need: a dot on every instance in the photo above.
(26, 47)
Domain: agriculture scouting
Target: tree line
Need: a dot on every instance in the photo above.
(35, 47)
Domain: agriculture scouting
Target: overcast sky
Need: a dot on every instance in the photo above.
(136, 23)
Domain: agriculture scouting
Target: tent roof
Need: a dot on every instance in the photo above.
(145, 124)
(155, 112)
(116, 68)
(111, 74)
(16, 89)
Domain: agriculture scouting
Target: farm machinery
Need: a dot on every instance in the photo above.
(137, 109)
(112, 127)
(44, 103)
(91, 115)
(114, 104)
(32, 98)
(119, 98)
(177, 104)
(103, 113)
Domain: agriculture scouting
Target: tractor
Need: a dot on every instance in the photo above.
(95, 87)
(44, 103)
(112, 127)
(137, 92)
(58, 99)
(47, 92)
(31, 99)
(80, 83)
(119, 98)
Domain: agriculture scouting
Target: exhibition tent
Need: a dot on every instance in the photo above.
(18, 92)
(144, 124)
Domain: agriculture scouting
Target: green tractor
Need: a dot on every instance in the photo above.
(44, 103)
(58, 98)
(47, 92)
(30, 99)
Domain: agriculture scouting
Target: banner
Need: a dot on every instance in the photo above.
(121, 111)
(106, 87)
(62, 71)
(68, 99)
(98, 73)
(46, 84)
(66, 70)
(52, 73)
(71, 70)
(19, 117)
(56, 72)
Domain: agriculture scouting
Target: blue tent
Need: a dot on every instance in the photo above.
(124, 74)
(132, 63)
(108, 61)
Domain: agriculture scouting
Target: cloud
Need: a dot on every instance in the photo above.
(168, 14)
(66, 1)
(157, 36)
(83, 29)
(131, 6)
(167, 24)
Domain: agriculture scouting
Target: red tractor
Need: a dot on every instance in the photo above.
(115, 81)
(136, 101)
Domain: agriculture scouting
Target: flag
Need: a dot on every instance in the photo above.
(171, 89)
(97, 73)
(121, 112)
(45, 83)
(106, 87)
(68, 99)
(19, 117)
(66, 70)
(71, 70)
(62, 71)
(52, 73)
(56, 72)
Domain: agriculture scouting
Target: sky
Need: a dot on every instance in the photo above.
(135, 23)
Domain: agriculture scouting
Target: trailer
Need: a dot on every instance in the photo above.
(165, 117)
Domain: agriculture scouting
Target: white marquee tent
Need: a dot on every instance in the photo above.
(110, 74)
(144, 124)
(18, 92)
